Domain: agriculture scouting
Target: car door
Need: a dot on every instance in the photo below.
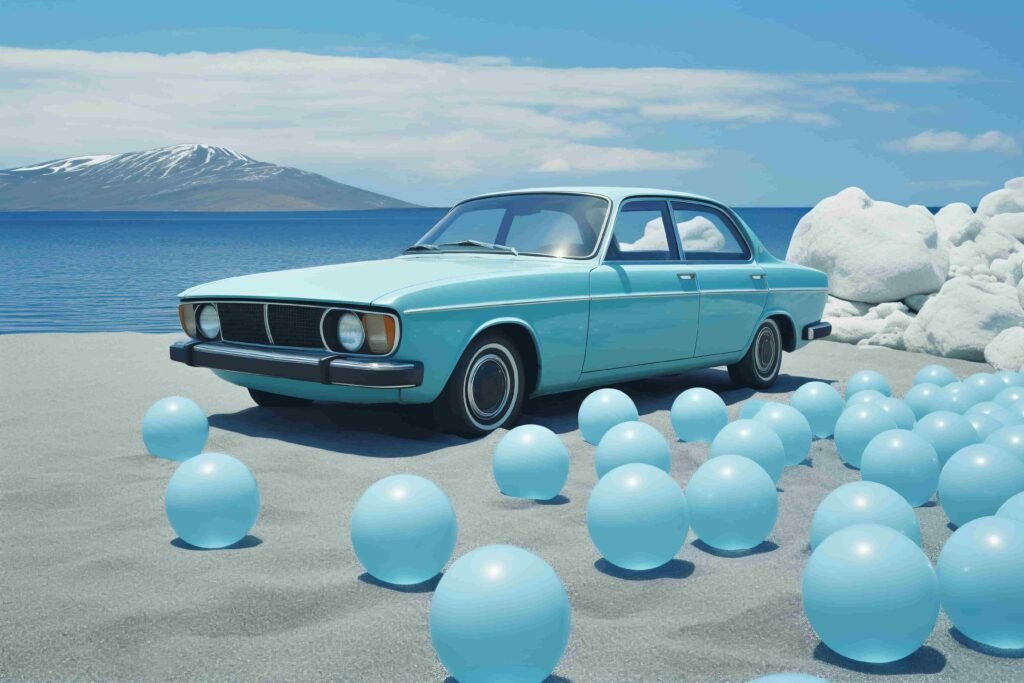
(644, 303)
(733, 286)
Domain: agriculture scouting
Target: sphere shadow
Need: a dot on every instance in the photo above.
(557, 500)
(549, 679)
(673, 569)
(248, 541)
(428, 586)
(983, 648)
(926, 660)
(759, 549)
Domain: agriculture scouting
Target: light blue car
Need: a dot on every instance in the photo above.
(509, 296)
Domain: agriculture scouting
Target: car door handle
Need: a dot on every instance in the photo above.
(757, 276)
(687, 276)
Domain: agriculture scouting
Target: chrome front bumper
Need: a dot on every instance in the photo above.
(324, 367)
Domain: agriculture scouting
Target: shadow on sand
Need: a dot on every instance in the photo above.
(983, 648)
(549, 679)
(926, 660)
(249, 541)
(759, 549)
(427, 586)
(673, 569)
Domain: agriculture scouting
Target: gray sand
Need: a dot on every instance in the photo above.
(94, 586)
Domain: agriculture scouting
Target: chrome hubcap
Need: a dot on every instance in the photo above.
(489, 386)
(765, 352)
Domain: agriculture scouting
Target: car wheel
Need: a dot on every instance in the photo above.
(486, 388)
(760, 366)
(269, 400)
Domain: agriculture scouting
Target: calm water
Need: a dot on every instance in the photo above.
(76, 272)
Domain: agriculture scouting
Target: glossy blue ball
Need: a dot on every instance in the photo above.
(1016, 407)
(403, 529)
(1012, 508)
(754, 440)
(792, 428)
(863, 502)
(530, 462)
(698, 415)
(899, 411)
(1009, 378)
(867, 379)
(733, 503)
(637, 517)
(977, 480)
(903, 461)
(602, 410)
(789, 678)
(500, 613)
(959, 397)
(175, 428)
(821, 404)
(981, 577)
(870, 593)
(751, 407)
(924, 399)
(938, 375)
(984, 425)
(993, 410)
(855, 429)
(985, 385)
(629, 442)
(864, 396)
(947, 432)
(212, 500)
(1009, 395)
(1009, 439)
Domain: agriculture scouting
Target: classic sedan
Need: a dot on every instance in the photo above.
(513, 295)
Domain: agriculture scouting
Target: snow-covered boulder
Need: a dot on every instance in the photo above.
(1010, 199)
(952, 220)
(1006, 351)
(961, 320)
(840, 308)
(1009, 223)
(856, 323)
(917, 301)
(873, 252)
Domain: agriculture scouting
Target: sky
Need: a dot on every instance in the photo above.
(754, 103)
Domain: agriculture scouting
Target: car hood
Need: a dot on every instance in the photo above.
(364, 281)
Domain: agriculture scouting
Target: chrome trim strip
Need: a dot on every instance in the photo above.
(642, 295)
(734, 291)
(266, 322)
(498, 304)
(798, 289)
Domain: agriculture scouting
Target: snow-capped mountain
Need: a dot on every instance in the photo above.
(178, 178)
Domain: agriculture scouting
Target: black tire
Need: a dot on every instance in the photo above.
(486, 389)
(269, 400)
(760, 366)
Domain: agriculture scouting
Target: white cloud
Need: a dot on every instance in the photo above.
(421, 117)
(955, 141)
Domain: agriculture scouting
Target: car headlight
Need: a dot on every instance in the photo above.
(187, 317)
(380, 332)
(208, 321)
(351, 333)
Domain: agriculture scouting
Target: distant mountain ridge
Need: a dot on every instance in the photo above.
(179, 178)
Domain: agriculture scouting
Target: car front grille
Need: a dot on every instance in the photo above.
(290, 325)
(242, 323)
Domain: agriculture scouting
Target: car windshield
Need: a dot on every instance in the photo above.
(561, 225)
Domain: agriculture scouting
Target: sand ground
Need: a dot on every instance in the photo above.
(95, 585)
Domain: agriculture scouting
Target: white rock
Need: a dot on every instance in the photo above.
(1006, 351)
(1010, 199)
(917, 301)
(1020, 292)
(839, 308)
(872, 251)
(951, 221)
(882, 325)
(963, 318)
(1009, 223)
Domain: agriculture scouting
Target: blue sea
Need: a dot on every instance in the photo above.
(88, 272)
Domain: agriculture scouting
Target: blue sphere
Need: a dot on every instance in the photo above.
(903, 461)
(792, 428)
(403, 529)
(984, 425)
(924, 399)
(629, 442)
(864, 396)
(938, 375)
(175, 428)
(751, 407)
(754, 440)
(1009, 378)
(698, 415)
(855, 429)
(947, 432)
(977, 480)
(530, 462)
(1012, 508)
(1009, 439)
(500, 613)
(1016, 407)
(981, 577)
(637, 517)
(863, 502)
(990, 408)
(870, 593)
(1009, 396)
(959, 397)
(985, 385)
(867, 379)
(789, 678)
(212, 501)
(821, 404)
(899, 411)
(733, 503)
(602, 410)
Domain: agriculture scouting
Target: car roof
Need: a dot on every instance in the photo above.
(616, 194)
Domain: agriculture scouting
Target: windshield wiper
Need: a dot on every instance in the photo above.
(483, 245)
(421, 247)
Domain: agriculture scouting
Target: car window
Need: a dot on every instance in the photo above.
(706, 234)
(544, 232)
(479, 224)
(641, 233)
